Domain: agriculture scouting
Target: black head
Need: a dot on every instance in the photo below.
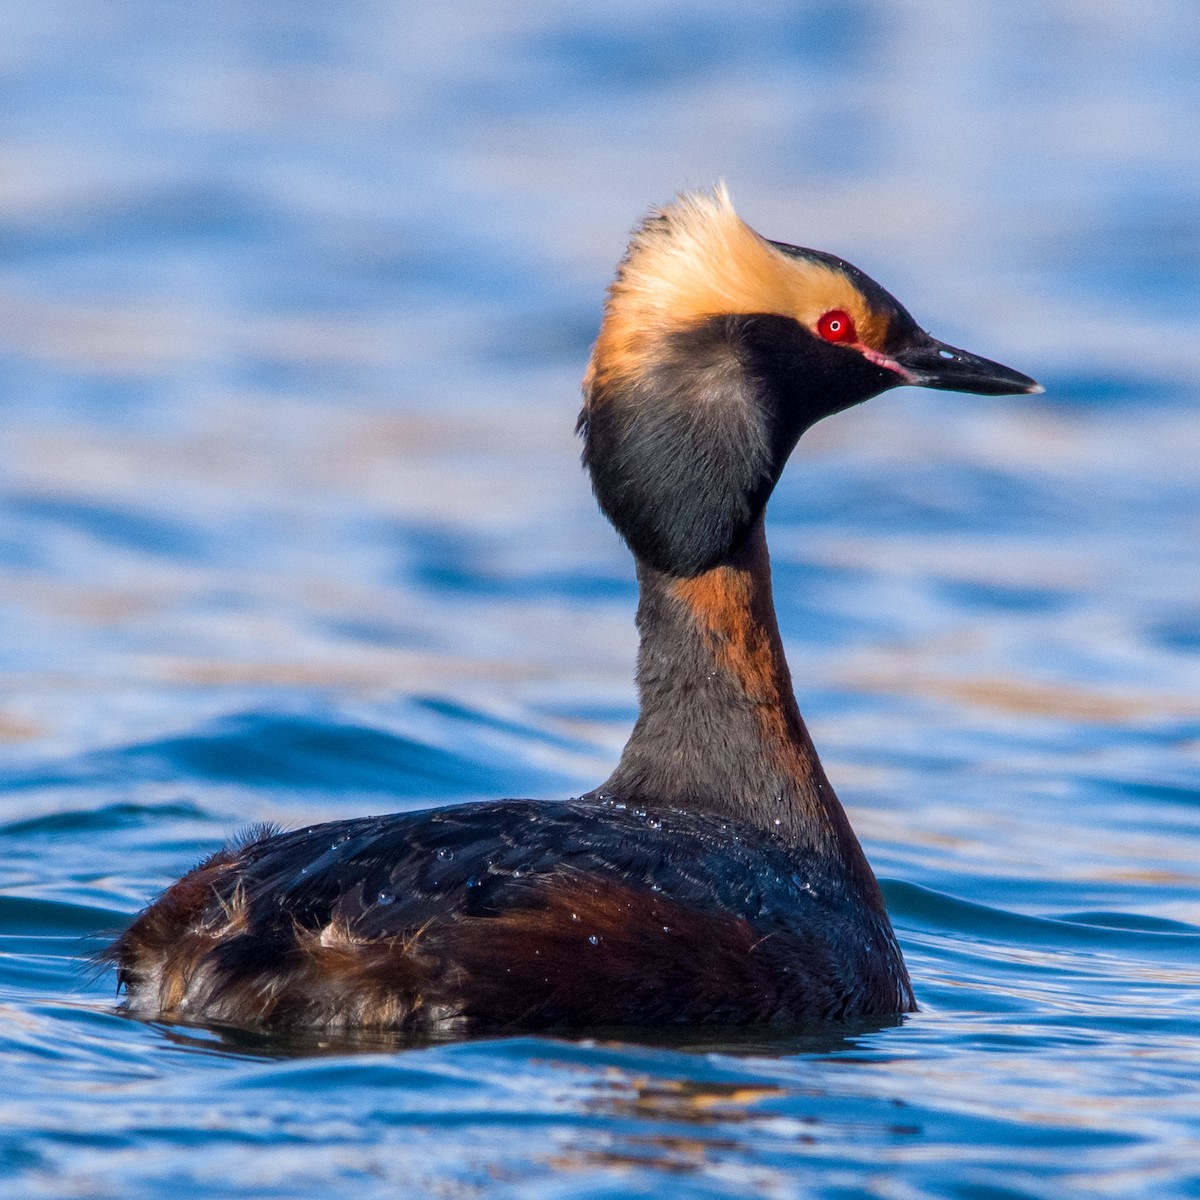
(718, 349)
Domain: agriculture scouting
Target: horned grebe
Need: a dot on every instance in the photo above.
(714, 878)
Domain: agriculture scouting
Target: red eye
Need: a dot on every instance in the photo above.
(836, 326)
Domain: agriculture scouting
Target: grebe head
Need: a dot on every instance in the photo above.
(718, 349)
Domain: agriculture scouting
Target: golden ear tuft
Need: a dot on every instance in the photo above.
(695, 259)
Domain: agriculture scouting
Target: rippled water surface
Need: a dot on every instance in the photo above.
(294, 300)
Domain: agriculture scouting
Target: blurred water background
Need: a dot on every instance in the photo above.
(294, 301)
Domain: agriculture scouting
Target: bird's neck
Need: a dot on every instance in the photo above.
(719, 730)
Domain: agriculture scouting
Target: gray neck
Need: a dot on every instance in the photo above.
(719, 730)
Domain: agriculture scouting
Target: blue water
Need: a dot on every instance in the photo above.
(294, 301)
